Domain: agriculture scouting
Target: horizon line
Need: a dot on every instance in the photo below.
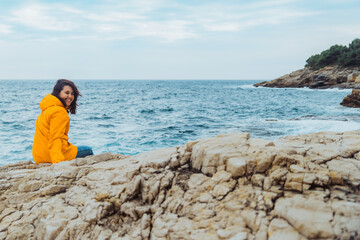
(138, 79)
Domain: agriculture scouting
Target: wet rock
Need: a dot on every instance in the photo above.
(352, 100)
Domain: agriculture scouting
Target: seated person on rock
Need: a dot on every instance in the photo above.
(52, 126)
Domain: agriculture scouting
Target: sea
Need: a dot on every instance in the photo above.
(133, 116)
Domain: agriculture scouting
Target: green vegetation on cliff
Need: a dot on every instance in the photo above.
(337, 55)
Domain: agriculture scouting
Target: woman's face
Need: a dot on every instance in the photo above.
(67, 94)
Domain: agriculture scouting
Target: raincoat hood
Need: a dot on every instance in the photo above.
(50, 101)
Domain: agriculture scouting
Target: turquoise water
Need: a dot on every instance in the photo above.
(135, 116)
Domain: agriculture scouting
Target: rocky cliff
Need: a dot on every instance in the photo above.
(327, 77)
(227, 187)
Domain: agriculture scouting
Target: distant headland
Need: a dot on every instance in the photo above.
(336, 67)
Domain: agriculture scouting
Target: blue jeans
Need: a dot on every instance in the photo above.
(84, 151)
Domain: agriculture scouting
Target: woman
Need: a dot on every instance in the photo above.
(52, 126)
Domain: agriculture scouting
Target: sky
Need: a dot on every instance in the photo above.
(165, 40)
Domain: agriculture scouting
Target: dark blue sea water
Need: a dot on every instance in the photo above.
(135, 116)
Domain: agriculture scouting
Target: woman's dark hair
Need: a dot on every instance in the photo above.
(60, 84)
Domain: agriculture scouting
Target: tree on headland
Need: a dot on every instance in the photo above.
(337, 55)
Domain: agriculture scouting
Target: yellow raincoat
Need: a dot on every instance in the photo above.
(51, 134)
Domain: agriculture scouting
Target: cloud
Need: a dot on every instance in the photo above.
(120, 24)
(43, 17)
(167, 21)
(107, 28)
(168, 30)
(5, 29)
(266, 4)
(341, 1)
(113, 16)
(348, 30)
(242, 20)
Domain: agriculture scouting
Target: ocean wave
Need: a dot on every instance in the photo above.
(318, 125)
(7, 122)
(187, 131)
(250, 86)
(345, 90)
(307, 89)
(147, 111)
(103, 117)
(167, 109)
(344, 118)
(242, 86)
(106, 125)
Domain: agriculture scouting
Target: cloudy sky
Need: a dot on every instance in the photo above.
(159, 39)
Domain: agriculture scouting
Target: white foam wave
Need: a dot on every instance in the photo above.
(313, 126)
(248, 86)
(306, 89)
(346, 90)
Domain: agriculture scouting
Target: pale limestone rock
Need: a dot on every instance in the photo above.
(294, 181)
(224, 234)
(92, 210)
(31, 186)
(297, 169)
(269, 199)
(210, 153)
(196, 180)
(264, 159)
(174, 162)
(346, 219)
(280, 229)
(250, 218)
(278, 175)
(9, 219)
(310, 216)
(52, 190)
(351, 77)
(6, 212)
(2, 206)
(205, 197)
(267, 183)
(222, 189)
(221, 176)
(26, 230)
(257, 180)
(155, 159)
(344, 170)
(236, 166)
(357, 79)
(145, 226)
(240, 236)
(104, 234)
(227, 187)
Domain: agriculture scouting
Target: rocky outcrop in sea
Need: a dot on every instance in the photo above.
(226, 187)
(327, 77)
(352, 100)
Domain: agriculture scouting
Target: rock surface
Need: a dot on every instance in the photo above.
(227, 187)
(352, 100)
(327, 77)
